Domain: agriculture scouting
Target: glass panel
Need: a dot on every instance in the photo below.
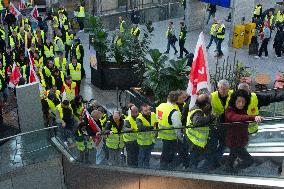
(26, 148)
(266, 147)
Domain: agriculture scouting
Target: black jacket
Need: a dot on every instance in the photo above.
(135, 17)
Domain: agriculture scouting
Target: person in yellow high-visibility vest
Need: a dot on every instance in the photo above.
(135, 31)
(77, 51)
(14, 40)
(213, 33)
(84, 143)
(279, 21)
(122, 24)
(257, 11)
(258, 100)
(270, 19)
(65, 118)
(220, 101)
(146, 139)
(114, 140)
(220, 35)
(60, 62)
(69, 37)
(69, 89)
(130, 139)
(171, 37)
(169, 117)
(48, 50)
(75, 71)
(198, 120)
(81, 16)
(58, 43)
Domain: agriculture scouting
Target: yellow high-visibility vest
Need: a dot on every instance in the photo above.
(198, 136)
(70, 92)
(75, 73)
(81, 13)
(163, 112)
(115, 141)
(217, 106)
(147, 138)
(62, 67)
(253, 110)
(127, 137)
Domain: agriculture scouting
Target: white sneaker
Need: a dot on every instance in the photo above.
(257, 57)
(266, 57)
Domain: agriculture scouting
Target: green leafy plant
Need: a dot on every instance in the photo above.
(163, 75)
(131, 49)
(99, 36)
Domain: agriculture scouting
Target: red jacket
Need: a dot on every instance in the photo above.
(237, 134)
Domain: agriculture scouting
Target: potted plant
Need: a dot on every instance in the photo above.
(119, 66)
(243, 74)
(161, 76)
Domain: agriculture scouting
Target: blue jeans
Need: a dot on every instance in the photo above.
(212, 38)
(215, 147)
(144, 155)
(209, 16)
(219, 46)
(172, 45)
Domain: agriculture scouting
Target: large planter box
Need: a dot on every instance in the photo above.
(114, 77)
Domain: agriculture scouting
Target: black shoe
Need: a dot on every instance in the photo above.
(176, 52)
(180, 57)
(167, 52)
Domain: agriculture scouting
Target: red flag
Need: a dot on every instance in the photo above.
(22, 5)
(15, 76)
(91, 122)
(199, 74)
(32, 61)
(33, 77)
(95, 128)
(14, 10)
(34, 13)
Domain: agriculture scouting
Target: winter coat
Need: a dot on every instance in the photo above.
(237, 134)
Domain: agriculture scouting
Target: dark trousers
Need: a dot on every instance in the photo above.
(241, 153)
(209, 16)
(212, 38)
(182, 150)
(144, 155)
(215, 146)
(132, 150)
(81, 23)
(219, 46)
(263, 47)
(171, 44)
(67, 51)
(168, 154)
(182, 48)
(278, 50)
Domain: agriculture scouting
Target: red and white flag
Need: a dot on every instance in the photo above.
(14, 10)
(15, 76)
(199, 74)
(33, 77)
(95, 128)
(22, 5)
(34, 13)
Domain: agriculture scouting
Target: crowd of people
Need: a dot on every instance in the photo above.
(267, 22)
(47, 45)
(188, 136)
(218, 120)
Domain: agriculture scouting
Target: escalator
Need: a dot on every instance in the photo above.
(266, 146)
